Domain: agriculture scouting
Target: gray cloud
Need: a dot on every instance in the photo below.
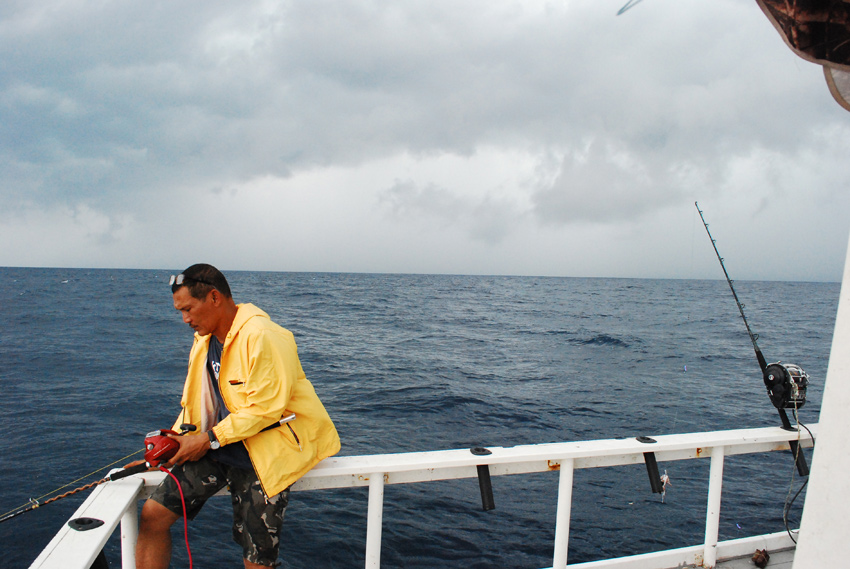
(604, 183)
(488, 219)
(117, 108)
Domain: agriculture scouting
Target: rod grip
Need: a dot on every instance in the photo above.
(129, 471)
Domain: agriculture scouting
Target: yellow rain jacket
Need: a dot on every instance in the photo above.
(261, 381)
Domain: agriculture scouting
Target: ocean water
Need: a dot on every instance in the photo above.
(91, 360)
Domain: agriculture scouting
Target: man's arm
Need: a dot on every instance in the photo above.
(273, 369)
(192, 448)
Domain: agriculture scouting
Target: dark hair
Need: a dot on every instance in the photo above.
(200, 279)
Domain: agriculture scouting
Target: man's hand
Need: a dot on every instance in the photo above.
(192, 448)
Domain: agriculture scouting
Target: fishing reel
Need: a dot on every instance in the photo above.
(159, 447)
(786, 385)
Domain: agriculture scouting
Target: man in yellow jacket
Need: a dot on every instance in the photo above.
(244, 381)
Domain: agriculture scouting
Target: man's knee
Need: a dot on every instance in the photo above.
(156, 517)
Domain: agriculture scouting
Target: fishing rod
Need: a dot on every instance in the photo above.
(34, 503)
(786, 383)
(753, 337)
(630, 4)
(159, 448)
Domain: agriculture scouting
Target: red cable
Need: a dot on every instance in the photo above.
(185, 521)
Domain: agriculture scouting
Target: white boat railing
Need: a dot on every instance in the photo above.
(117, 502)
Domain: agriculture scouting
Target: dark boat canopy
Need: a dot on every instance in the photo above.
(817, 31)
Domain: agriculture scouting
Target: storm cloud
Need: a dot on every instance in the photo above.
(496, 137)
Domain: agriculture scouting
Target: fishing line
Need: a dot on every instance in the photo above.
(807, 429)
(789, 501)
(36, 502)
(788, 507)
(693, 240)
(185, 518)
(689, 304)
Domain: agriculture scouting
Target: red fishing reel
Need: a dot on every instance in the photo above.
(159, 447)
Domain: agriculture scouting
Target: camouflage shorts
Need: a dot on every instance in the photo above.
(256, 519)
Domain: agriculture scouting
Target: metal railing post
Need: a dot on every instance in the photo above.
(562, 516)
(712, 512)
(129, 535)
(374, 521)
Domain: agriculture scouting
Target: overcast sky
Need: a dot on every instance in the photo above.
(478, 137)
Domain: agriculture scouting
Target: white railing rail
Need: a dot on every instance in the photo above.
(116, 502)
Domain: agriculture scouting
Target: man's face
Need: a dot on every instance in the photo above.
(201, 315)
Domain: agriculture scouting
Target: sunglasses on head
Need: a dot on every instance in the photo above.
(179, 279)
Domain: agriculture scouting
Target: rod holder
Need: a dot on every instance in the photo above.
(484, 484)
(796, 451)
(652, 471)
(652, 467)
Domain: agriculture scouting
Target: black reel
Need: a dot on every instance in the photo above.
(786, 385)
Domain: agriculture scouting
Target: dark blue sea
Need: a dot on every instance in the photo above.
(91, 360)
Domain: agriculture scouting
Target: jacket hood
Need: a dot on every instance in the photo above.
(243, 314)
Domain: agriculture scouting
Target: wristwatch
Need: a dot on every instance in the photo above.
(214, 444)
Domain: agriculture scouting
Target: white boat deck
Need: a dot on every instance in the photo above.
(780, 559)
